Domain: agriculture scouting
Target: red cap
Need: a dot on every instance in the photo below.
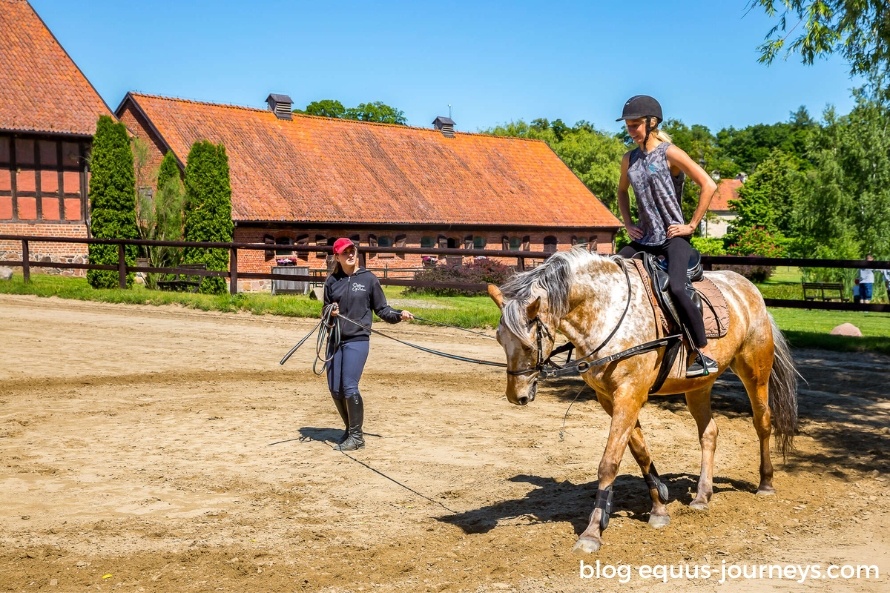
(342, 244)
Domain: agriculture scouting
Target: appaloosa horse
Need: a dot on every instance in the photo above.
(604, 310)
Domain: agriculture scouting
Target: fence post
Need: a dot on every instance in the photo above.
(233, 270)
(26, 263)
(121, 266)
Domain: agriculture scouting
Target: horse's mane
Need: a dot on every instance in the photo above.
(554, 278)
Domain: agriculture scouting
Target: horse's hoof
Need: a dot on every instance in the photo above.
(586, 545)
(658, 521)
(766, 491)
(699, 505)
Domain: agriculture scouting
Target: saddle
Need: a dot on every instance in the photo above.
(704, 294)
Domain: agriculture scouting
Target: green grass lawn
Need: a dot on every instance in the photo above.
(804, 328)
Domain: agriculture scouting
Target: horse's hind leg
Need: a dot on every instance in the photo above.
(658, 516)
(699, 404)
(754, 373)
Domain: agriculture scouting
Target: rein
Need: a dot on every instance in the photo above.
(546, 368)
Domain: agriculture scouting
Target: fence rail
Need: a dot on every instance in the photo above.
(233, 274)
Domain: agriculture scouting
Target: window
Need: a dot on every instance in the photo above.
(515, 243)
(505, 243)
(303, 241)
(591, 244)
(401, 241)
(468, 242)
(284, 241)
(479, 242)
(526, 243)
(269, 240)
(550, 244)
(427, 242)
(320, 241)
(385, 241)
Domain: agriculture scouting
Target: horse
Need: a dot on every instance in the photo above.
(605, 311)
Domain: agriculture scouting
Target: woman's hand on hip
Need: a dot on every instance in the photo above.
(680, 230)
(634, 231)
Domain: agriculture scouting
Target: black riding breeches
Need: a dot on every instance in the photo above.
(677, 252)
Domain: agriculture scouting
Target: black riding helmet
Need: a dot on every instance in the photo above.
(641, 106)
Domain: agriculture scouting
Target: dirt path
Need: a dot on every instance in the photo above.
(162, 449)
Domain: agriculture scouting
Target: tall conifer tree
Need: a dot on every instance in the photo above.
(208, 209)
(112, 200)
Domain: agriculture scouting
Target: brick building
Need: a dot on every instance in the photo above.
(306, 180)
(48, 114)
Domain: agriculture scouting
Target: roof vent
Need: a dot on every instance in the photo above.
(444, 125)
(280, 105)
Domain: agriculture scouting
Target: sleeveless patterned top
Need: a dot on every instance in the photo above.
(658, 193)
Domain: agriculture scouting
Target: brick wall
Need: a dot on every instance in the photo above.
(46, 252)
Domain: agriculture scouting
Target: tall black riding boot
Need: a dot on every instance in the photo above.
(341, 407)
(356, 410)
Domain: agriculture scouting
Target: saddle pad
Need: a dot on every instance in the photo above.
(715, 313)
(660, 320)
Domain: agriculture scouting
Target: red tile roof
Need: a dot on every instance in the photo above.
(727, 189)
(316, 169)
(41, 88)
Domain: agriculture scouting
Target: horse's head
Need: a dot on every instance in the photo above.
(527, 339)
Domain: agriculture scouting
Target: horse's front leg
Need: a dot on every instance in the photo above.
(625, 410)
(658, 492)
(699, 404)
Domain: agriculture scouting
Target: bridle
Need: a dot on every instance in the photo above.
(541, 330)
(546, 368)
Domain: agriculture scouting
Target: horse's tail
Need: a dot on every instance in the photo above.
(783, 391)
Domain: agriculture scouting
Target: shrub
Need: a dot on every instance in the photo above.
(481, 271)
(756, 241)
(709, 245)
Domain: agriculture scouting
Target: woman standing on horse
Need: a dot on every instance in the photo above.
(656, 170)
(353, 292)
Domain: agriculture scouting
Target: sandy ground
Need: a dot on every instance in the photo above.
(161, 449)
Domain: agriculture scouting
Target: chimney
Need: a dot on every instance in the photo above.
(444, 125)
(280, 105)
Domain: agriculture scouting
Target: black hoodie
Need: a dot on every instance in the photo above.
(357, 296)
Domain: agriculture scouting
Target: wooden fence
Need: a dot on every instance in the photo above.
(233, 274)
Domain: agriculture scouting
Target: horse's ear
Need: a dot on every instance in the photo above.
(495, 293)
(532, 310)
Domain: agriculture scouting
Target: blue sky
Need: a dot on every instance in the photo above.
(493, 62)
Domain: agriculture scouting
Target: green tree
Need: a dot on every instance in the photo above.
(747, 147)
(845, 209)
(376, 112)
(112, 200)
(160, 217)
(324, 108)
(859, 30)
(208, 205)
(767, 199)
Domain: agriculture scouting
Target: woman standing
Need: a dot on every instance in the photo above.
(353, 292)
(656, 170)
